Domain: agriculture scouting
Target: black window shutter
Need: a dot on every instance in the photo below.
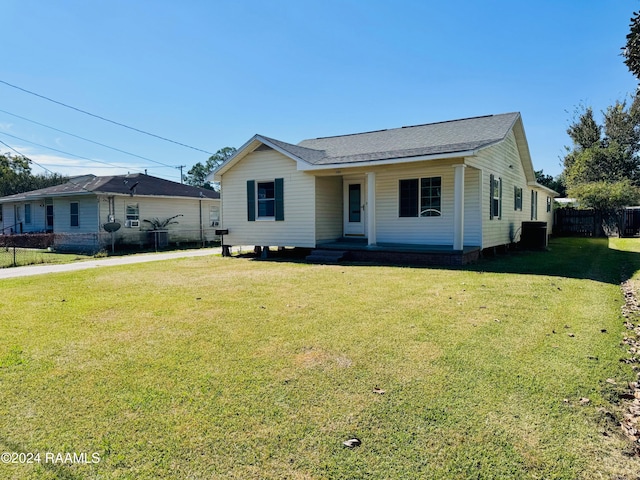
(251, 200)
(491, 212)
(500, 201)
(279, 193)
(409, 198)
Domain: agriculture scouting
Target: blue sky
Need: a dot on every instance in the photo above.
(212, 73)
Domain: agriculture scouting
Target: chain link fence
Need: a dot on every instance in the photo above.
(30, 248)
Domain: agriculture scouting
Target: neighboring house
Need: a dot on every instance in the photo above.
(77, 211)
(453, 187)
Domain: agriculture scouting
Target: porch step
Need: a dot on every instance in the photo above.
(325, 256)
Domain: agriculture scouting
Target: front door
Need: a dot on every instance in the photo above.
(354, 215)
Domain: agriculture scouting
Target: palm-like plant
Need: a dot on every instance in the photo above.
(157, 224)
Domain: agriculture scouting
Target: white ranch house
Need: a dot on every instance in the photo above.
(77, 211)
(451, 188)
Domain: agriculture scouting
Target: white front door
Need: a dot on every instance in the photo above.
(354, 203)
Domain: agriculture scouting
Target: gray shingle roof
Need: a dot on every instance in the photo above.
(430, 139)
(137, 183)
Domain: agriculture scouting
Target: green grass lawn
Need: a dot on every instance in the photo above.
(10, 257)
(231, 368)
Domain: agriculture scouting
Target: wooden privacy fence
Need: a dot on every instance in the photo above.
(582, 223)
(589, 223)
(631, 222)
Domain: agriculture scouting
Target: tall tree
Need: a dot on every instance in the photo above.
(585, 132)
(554, 183)
(197, 175)
(631, 50)
(602, 169)
(16, 176)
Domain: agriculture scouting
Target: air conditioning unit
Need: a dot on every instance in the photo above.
(132, 223)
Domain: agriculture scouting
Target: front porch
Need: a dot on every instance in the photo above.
(358, 249)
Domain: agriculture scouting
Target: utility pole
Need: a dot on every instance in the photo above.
(180, 167)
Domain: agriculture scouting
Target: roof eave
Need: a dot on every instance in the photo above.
(387, 161)
(31, 198)
(548, 190)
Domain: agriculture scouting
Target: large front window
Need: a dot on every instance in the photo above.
(421, 197)
(266, 199)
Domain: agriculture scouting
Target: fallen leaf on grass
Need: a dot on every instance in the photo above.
(352, 443)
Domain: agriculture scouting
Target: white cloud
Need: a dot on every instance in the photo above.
(74, 166)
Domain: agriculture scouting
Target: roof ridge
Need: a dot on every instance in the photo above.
(411, 126)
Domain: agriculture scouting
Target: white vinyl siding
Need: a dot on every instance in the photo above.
(298, 226)
(503, 161)
(328, 208)
(8, 219)
(193, 211)
(435, 230)
(87, 214)
(543, 214)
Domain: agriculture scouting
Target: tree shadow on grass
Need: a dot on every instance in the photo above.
(584, 258)
(571, 257)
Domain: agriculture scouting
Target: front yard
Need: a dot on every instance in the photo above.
(232, 368)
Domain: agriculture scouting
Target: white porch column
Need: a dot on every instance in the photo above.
(371, 208)
(458, 207)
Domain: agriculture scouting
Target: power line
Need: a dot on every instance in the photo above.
(86, 139)
(28, 159)
(103, 118)
(61, 151)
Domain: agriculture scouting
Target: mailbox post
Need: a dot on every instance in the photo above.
(225, 248)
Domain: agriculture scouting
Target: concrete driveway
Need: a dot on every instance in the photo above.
(103, 262)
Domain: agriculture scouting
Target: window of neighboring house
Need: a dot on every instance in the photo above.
(27, 213)
(534, 205)
(548, 204)
(265, 200)
(517, 196)
(495, 193)
(420, 197)
(0, 214)
(75, 214)
(132, 215)
(214, 215)
(49, 215)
